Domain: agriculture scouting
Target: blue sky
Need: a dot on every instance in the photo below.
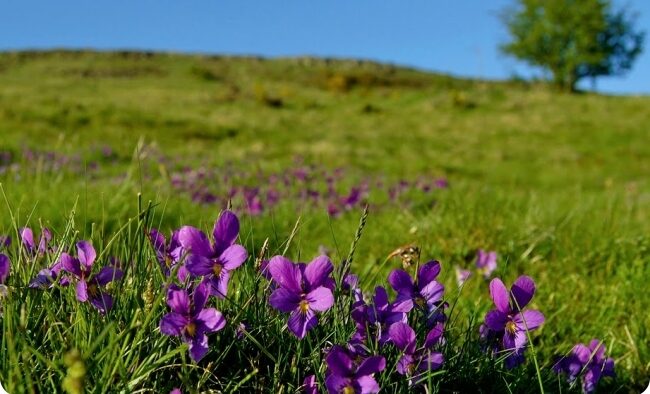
(457, 37)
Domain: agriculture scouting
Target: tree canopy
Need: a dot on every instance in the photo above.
(573, 39)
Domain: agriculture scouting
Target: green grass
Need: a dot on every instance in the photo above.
(556, 184)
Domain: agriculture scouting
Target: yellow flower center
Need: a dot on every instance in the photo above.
(420, 301)
(92, 290)
(216, 269)
(303, 306)
(190, 330)
(511, 327)
(348, 390)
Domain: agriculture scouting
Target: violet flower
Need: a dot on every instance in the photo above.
(216, 261)
(351, 375)
(27, 238)
(413, 359)
(486, 262)
(590, 359)
(309, 385)
(303, 290)
(462, 275)
(426, 293)
(509, 323)
(89, 287)
(190, 319)
(5, 267)
(46, 278)
(373, 321)
(169, 253)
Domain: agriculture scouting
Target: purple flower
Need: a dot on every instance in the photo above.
(413, 359)
(27, 238)
(350, 375)
(190, 319)
(309, 385)
(216, 261)
(373, 321)
(303, 290)
(176, 391)
(508, 323)
(590, 359)
(46, 277)
(425, 293)
(462, 275)
(89, 287)
(441, 183)
(5, 266)
(167, 254)
(486, 262)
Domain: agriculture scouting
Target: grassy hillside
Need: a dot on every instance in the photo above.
(557, 184)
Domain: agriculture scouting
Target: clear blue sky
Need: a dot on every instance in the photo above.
(457, 37)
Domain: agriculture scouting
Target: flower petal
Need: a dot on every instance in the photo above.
(225, 232)
(582, 353)
(220, 284)
(102, 301)
(320, 299)
(233, 257)
(201, 295)
(300, 323)
(403, 337)
(108, 274)
(27, 238)
(598, 350)
(317, 271)
(285, 273)
(179, 301)
(366, 385)
(434, 336)
(339, 362)
(500, 295)
(433, 292)
(371, 365)
(529, 319)
(173, 324)
(516, 341)
(5, 265)
(405, 364)
(86, 254)
(195, 241)
(431, 361)
(284, 300)
(198, 265)
(496, 320)
(211, 319)
(70, 264)
(336, 383)
(198, 347)
(401, 282)
(523, 290)
(428, 272)
(380, 299)
(82, 291)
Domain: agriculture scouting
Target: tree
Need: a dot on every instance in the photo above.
(573, 39)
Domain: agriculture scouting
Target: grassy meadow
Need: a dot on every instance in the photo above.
(92, 146)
